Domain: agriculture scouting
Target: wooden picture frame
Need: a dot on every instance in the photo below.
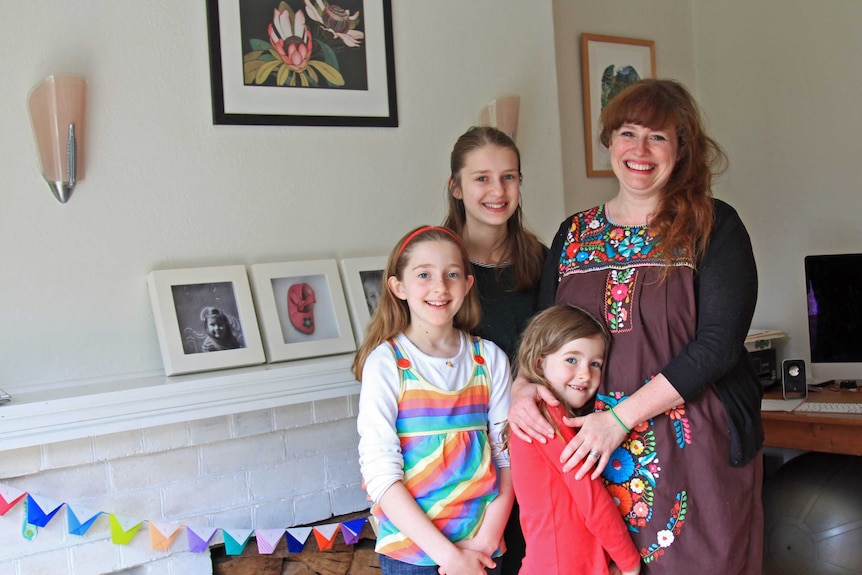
(346, 79)
(363, 283)
(205, 319)
(608, 64)
(292, 329)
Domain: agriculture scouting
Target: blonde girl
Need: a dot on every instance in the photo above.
(430, 406)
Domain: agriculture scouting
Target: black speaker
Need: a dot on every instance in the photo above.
(793, 382)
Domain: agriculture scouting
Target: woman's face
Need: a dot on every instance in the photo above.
(643, 159)
(490, 186)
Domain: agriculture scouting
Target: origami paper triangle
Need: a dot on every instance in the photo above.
(163, 534)
(267, 539)
(9, 498)
(296, 537)
(36, 509)
(232, 538)
(350, 530)
(325, 535)
(199, 538)
(76, 527)
(123, 528)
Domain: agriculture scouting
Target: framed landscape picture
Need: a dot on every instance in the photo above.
(302, 62)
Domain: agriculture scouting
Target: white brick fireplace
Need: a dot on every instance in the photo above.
(266, 447)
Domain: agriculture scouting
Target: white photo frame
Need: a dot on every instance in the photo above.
(292, 329)
(356, 274)
(193, 307)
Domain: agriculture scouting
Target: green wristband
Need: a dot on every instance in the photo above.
(620, 421)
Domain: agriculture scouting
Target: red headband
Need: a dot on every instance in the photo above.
(424, 229)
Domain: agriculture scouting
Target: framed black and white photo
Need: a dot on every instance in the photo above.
(363, 283)
(205, 319)
(301, 309)
(302, 62)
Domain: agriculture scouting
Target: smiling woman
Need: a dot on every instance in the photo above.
(671, 273)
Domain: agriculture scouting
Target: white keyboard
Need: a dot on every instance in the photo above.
(817, 407)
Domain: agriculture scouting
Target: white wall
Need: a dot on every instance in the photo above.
(166, 189)
(781, 83)
(667, 22)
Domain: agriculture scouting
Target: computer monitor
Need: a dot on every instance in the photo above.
(834, 289)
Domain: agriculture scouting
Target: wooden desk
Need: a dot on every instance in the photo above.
(826, 432)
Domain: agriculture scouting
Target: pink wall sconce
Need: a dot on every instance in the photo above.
(58, 113)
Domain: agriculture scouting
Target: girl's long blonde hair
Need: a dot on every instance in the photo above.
(393, 315)
(546, 333)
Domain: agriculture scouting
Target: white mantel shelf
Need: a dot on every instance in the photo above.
(75, 410)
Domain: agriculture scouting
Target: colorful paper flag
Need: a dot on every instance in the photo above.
(296, 537)
(40, 510)
(267, 539)
(232, 538)
(9, 498)
(350, 530)
(123, 528)
(76, 527)
(163, 534)
(325, 535)
(199, 538)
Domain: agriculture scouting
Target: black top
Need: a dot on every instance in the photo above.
(725, 295)
(505, 312)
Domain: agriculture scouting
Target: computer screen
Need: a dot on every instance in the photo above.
(834, 289)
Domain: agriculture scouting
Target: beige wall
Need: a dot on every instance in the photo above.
(166, 189)
(781, 82)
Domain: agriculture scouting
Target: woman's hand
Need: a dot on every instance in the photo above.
(525, 419)
(600, 434)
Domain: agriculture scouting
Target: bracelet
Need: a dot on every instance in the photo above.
(620, 421)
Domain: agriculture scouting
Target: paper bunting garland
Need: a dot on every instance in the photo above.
(199, 538)
(123, 528)
(76, 526)
(325, 535)
(163, 534)
(267, 539)
(232, 538)
(9, 497)
(296, 537)
(40, 510)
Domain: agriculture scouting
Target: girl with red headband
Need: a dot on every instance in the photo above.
(431, 406)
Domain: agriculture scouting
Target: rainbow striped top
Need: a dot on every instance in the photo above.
(447, 456)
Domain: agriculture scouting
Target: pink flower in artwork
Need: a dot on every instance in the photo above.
(291, 39)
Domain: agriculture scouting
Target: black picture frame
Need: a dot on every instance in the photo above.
(240, 44)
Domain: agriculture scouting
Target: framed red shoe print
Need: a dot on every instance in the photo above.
(205, 319)
(301, 309)
(363, 283)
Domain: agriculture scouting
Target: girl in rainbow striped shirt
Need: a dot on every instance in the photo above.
(431, 406)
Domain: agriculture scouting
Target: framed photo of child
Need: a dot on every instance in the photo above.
(301, 309)
(363, 281)
(205, 319)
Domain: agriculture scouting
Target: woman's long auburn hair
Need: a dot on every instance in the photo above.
(684, 217)
(393, 315)
(522, 246)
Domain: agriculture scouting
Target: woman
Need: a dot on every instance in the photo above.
(677, 428)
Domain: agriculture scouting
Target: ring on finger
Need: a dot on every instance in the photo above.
(596, 454)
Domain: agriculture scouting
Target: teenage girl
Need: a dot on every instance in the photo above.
(572, 527)
(431, 408)
(484, 191)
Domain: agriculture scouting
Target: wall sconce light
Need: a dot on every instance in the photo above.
(502, 114)
(58, 114)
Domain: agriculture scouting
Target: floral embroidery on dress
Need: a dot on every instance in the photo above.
(618, 299)
(631, 476)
